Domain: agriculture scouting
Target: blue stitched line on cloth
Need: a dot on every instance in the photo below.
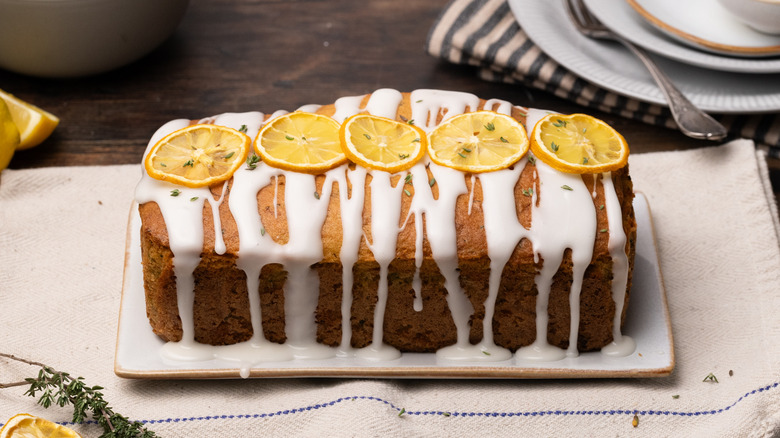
(456, 413)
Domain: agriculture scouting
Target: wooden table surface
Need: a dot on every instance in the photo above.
(265, 55)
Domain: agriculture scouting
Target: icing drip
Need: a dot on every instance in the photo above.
(385, 211)
(428, 104)
(347, 106)
(419, 235)
(442, 240)
(621, 345)
(352, 232)
(504, 107)
(219, 240)
(471, 192)
(384, 103)
(305, 216)
(561, 219)
(309, 108)
(183, 218)
(503, 232)
(256, 249)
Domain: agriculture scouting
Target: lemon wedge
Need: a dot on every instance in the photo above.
(9, 136)
(301, 142)
(198, 155)
(30, 426)
(35, 125)
(476, 142)
(578, 143)
(380, 143)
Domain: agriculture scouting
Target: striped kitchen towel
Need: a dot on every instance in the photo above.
(485, 33)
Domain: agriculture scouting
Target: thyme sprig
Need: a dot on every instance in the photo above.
(57, 387)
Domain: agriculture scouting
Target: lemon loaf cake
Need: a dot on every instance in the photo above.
(451, 245)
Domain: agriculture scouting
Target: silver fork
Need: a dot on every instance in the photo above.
(692, 121)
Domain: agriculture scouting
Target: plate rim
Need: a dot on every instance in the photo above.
(704, 43)
(382, 369)
(648, 37)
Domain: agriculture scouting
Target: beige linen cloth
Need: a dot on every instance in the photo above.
(62, 244)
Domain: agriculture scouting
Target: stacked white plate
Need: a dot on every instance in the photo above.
(719, 63)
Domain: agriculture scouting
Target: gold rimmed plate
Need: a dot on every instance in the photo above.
(706, 25)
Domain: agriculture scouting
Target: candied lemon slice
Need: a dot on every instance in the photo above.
(578, 143)
(30, 426)
(198, 155)
(302, 142)
(9, 136)
(481, 141)
(34, 124)
(381, 143)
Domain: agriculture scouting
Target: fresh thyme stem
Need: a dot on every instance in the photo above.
(29, 362)
(60, 388)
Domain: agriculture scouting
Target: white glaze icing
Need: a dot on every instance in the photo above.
(561, 219)
(564, 218)
(351, 206)
(621, 345)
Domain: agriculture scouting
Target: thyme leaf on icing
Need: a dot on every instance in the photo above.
(565, 187)
(175, 192)
(532, 160)
(251, 161)
(402, 412)
(194, 198)
(317, 195)
(242, 129)
(676, 396)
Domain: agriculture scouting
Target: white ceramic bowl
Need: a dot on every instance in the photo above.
(69, 38)
(761, 15)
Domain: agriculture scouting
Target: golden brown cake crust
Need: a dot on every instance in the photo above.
(221, 314)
